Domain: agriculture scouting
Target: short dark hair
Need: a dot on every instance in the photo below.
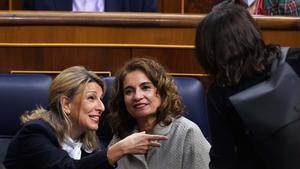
(229, 45)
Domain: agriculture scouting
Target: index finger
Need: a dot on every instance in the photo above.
(156, 137)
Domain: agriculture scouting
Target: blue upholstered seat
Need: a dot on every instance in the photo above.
(104, 132)
(193, 96)
(19, 93)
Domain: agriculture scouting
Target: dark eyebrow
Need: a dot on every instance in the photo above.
(144, 83)
(147, 83)
(127, 87)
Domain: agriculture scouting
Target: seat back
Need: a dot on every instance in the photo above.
(104, 132)
(193, 96)
(18, 94)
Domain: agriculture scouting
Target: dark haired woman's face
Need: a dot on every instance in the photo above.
(140, 95)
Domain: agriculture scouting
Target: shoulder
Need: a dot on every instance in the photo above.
(38, 127)
(189, 132)
(184, 122)
(34, 139)
(185, 126)
(38, 124)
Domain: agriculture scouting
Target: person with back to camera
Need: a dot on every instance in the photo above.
(64, 136)
(145, 98)
(230, 47)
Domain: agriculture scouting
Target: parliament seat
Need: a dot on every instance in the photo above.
(192, 93)
(19, 93)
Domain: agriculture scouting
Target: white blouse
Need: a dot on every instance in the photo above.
(73, 147)
(88, 5)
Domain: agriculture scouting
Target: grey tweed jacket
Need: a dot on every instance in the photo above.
(186, 148)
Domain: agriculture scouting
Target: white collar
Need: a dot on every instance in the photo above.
(72, 147)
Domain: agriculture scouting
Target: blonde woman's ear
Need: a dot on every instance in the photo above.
(65, 105)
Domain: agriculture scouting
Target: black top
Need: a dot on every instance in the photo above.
(231, 147)
(36, 147)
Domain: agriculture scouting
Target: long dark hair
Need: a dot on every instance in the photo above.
(121, 121)
(229, 45)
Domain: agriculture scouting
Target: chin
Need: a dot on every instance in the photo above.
(143, 114)
(93, 128)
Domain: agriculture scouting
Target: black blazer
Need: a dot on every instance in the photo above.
(110, 5)
(36, 145)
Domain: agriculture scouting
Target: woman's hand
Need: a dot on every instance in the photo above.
(140, 143)
(137, 143)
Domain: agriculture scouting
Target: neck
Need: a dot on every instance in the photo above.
(147, 124)
(75, 133)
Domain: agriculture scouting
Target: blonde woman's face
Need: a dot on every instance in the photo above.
(140, 95)
(86, 109)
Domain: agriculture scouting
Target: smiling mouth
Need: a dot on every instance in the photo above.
(140, 106)
(95, 118)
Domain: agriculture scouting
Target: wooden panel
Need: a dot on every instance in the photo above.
(57, 58)
(16, 4)
(174, 60)
(199, 6)
(160, 5)
(284, 38)
(94, 35)
(56, 40)
(123, 30)
(169, 6)
(100, 59)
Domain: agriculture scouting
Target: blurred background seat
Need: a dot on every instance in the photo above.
(19, 93)
(192, 93)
